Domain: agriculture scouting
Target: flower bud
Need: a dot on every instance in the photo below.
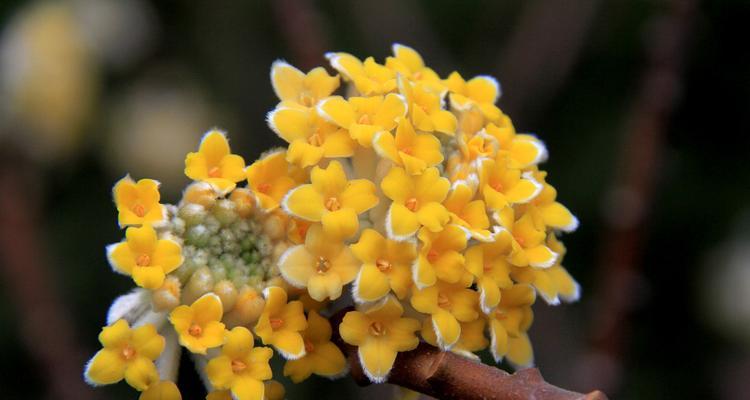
(224, 211)
(247, 308)
(200, 193)
(227, 293)
(167, 296)
(244, 201)
(273, 227)
(200, 283)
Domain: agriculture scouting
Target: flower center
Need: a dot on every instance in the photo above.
(305, 99)
(418, 75)
(408, 150)
(214, 172)
(238, 366)
(309, 347)
(500, 314)
(315, 139)
(139, 210)
(364, 119)
(412, 204)
(128, 352)
(276, 323)
(143, 260)
(432, 255)
(487, 267)
(520, 240)
(497, 186)
(195, 330)
(443, 301)
(323, 265)
(333, 204)
(377, 329)
(264, 187)
(383, 265)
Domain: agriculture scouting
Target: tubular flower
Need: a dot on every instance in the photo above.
(364, 117)
(241, 368)
(214, 164)
(416, 202)
(408, 188)
(386, 266)
(321, 356)
(145, 257)
(198, 325)
(293, 85)
(332, 200)
(323, 265)
(281, 323)
(509, 322)
(447, 304)
(379, 333)
(138, 203)
(127, 353)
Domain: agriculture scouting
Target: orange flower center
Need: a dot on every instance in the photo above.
(315, 139)
(264, 187)
(128, 352)
(323, 265)
(333, 204)
(432, 255)
(138, 209)
(383, 265)
(276, 323)
(195, 330)
(214, 172)
(143, 260)
(408, 150)
(500, 314)
(443, 301)
(487, 267)
(412, 204)
(377, 329)
(364, 119)
(238, 366)
(309, 347)
(418, 75)
(306, 100)
(520, 240)
(497, 186)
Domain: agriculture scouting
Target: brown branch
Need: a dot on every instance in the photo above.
(300, 24)
(445, 375)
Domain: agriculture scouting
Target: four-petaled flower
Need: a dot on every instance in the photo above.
(416, 202)
(386, 266)
(138, 203)
(380, 334)
(292, 85)
(322, 357)
(280, 324)
(364, 117)
(241, 368)
(481, 91)
(415, 152)
(214, 164)
(440, 256)
(145, 257)
(270, 178)
(509, 322)
(447, 304)
(199, 325)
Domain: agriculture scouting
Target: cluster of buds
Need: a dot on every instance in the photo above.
(435, 221)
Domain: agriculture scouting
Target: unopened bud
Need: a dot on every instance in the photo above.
(200, 193)
(247, 308)
(167, 296)
(200, 283)
(244, 201)
(274, 390)
(273, 226)
(224, 211)
(192, 214)
(279, 249)
(227, 293)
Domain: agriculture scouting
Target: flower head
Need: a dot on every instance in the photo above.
(214, 164)
(198, 325)
(127, 353)
(145, 257)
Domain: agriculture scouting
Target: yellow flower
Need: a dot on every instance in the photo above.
(440, 256)
(332, 200)
(127, 353)
(416, 202)
(138, 203)
(144, 257)
(488, 263)
(380, 333)
(321, 356)
(469, 214)
(270, 179)
(293, 85)
(509, 322)
(214, 164)
(415, 152)
(241, 368)
(310, 137)
(472, 337)
(364, 117)
(198, 325)
(369, 77)
(447, 304)
(407, 62)
(323, 265)
(503, 186)
(386, 266)
(464, 164)
(162, 390)
(551, 283)
(528, 245)
(547, 211)
(273, 391)
(523, 151)
(481, 91)
(425, 108)
(280, 324)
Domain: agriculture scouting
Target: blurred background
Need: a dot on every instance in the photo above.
(643, 105)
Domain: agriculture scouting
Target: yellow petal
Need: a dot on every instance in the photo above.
(304, 154)
(323, 286)
(557, 216)
(338, 144)
(371, 284)
(304, 202)
(330, 181)
(483, 89)
(147, 342)
(141, 240)
(257, 359)
(342, 223)
(148, 277)
(450, 266)
(207, 308)
(392, 109)
(287, 81)
(320, 84)
(499, 339)
(377, 360)
(290, 124)
(359, 195)
(289, 344)
(408, 56)
(164, 390)
(121, 258)
(447, 328)
(232, 167)
(489, 294)
(354, 328)
(568, 288)
(106, 367)
(327, 360)
(425, 300)
(141, 373)
(167, 255)
(401, 223)
(369, 247)
(524, 191)
(195, 166)
(398, 185)
(541, 256)
(520, 352)
(385, 145)
(444, 122)
(400, 334)
(297, 266)
(433, 216)
(214, 146)
(115, 335)
(247, 388)
(337, 110)
(237, 342)
(299, 370)
(430, 186)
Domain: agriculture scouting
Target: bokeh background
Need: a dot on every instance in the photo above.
(643, 105)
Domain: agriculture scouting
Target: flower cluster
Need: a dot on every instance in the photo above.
(410, 196)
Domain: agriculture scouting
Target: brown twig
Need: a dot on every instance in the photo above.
(301, 27)
(445, 375)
